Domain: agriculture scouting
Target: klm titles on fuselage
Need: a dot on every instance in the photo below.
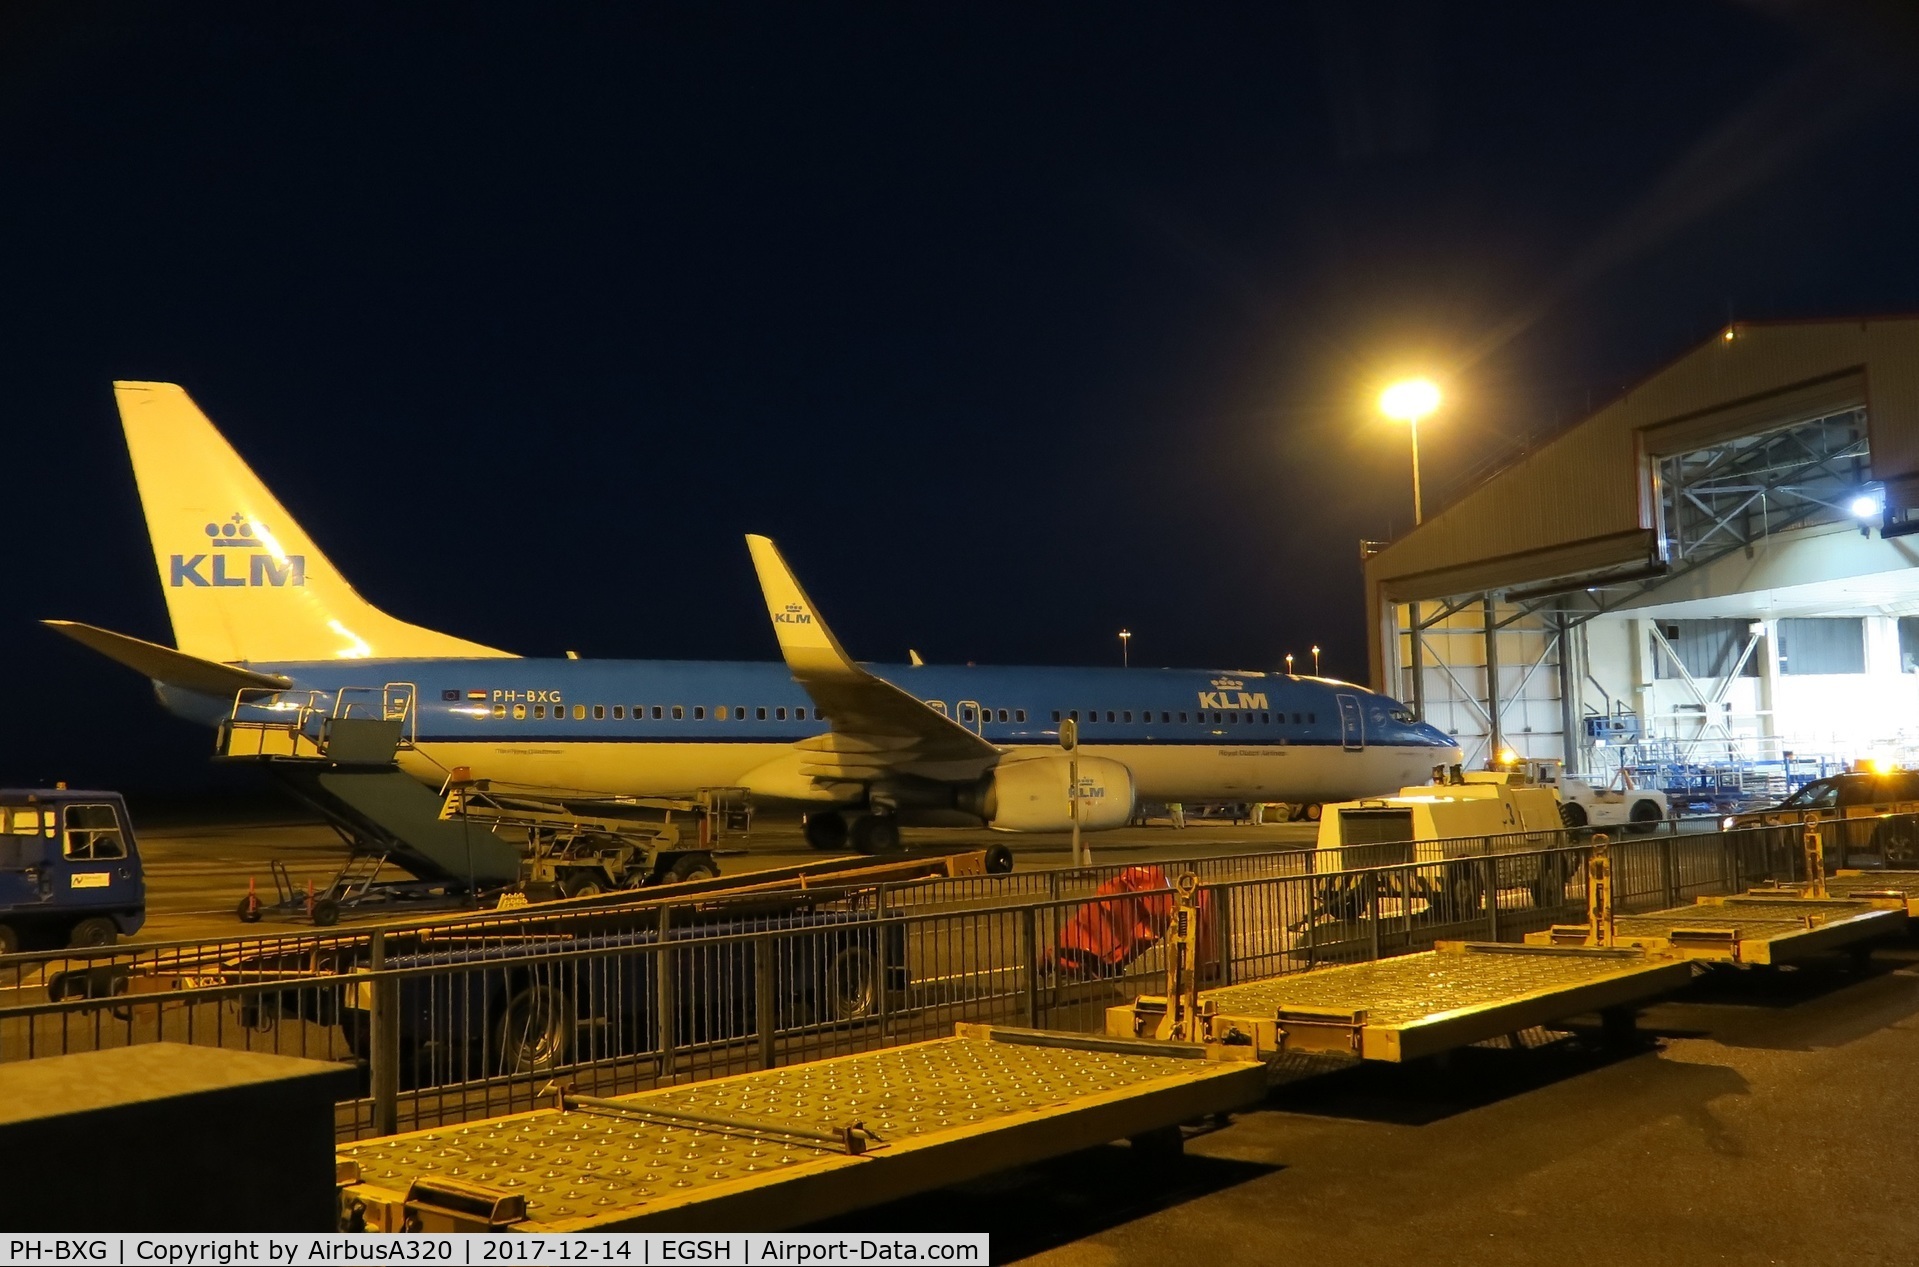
(1230, 692)
(266, 566)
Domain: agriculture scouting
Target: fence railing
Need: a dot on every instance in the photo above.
(478, 1020)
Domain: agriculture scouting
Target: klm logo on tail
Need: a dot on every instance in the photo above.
(220, 566)
(793, 615)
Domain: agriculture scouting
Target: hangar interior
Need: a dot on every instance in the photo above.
(1710, 580)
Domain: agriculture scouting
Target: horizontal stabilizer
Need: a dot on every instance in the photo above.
(164, 664)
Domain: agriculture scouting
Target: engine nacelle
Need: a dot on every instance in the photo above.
(1030, 794)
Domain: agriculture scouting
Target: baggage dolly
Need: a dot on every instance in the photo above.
(790, 1145)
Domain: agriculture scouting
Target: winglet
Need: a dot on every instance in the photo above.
(808, 645)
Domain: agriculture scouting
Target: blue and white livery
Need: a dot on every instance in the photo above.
(858, 748)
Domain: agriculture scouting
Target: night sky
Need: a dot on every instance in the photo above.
(1013, 324)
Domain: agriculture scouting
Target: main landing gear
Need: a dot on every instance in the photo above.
(864, 833)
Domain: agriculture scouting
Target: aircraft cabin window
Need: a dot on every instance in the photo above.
(1073, 713)
(719, 714)
(799, 714)
(1002, 714)
(679, 712)
(1019, 714)
(1182, 716)
(1265, 720)
(699, 712)
(1109, 714)
(1127, 716)
(579, 712)
(759, 714)
(599, 712)
(1166, 717)
(739, 711)
(1233, 718)
(499, 710)
(1056, 714)
(966, 714)
(519, 712)
(656, 712)
(619, 712)
(1215, 719)
(539, 711)
(1312, 719)
(780, 713)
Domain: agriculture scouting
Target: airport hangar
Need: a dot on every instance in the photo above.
(1708, 574)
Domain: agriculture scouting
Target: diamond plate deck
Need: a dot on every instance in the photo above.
(944, 1111)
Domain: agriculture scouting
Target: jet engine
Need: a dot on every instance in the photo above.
(1030, 794)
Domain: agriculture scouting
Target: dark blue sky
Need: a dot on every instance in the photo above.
(1013, 324)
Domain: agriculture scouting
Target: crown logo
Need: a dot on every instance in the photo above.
(793, 607)
(1227, 684)
(236, 532)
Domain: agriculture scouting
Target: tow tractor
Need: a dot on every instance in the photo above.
(1583, 804)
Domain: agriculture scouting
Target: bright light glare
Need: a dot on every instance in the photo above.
(1864, 506)
(1409, 401)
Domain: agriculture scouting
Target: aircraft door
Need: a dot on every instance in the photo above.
(971, 715)
(1352, 724)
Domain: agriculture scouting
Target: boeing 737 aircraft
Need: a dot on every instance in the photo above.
(264, 621)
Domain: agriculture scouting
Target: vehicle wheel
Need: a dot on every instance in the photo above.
(1645, 817)
(581, 883)
(826, 831)
(96, 931)
(1313, 811)
(532, 1033)
(1572, 814)
(249, 909)
(999, 860)
(849, 988)
(9, 940)
(875, 833)
(326, 913)
(1466, 890)
(692, 866)
(1896, 841)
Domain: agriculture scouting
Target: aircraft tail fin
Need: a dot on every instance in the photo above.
(808, 645)
(243, 581)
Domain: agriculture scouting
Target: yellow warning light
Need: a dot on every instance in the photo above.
(1507, 756)
(1728, 336)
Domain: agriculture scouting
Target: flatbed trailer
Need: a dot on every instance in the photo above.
(1749, 929)
(1896, 890)
(1409, 1006)
(791, 1145)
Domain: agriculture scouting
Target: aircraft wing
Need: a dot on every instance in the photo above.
(877, 728)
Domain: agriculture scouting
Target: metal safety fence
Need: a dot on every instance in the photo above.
(475, 1021)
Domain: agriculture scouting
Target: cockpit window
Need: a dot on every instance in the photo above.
(1404, 716)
